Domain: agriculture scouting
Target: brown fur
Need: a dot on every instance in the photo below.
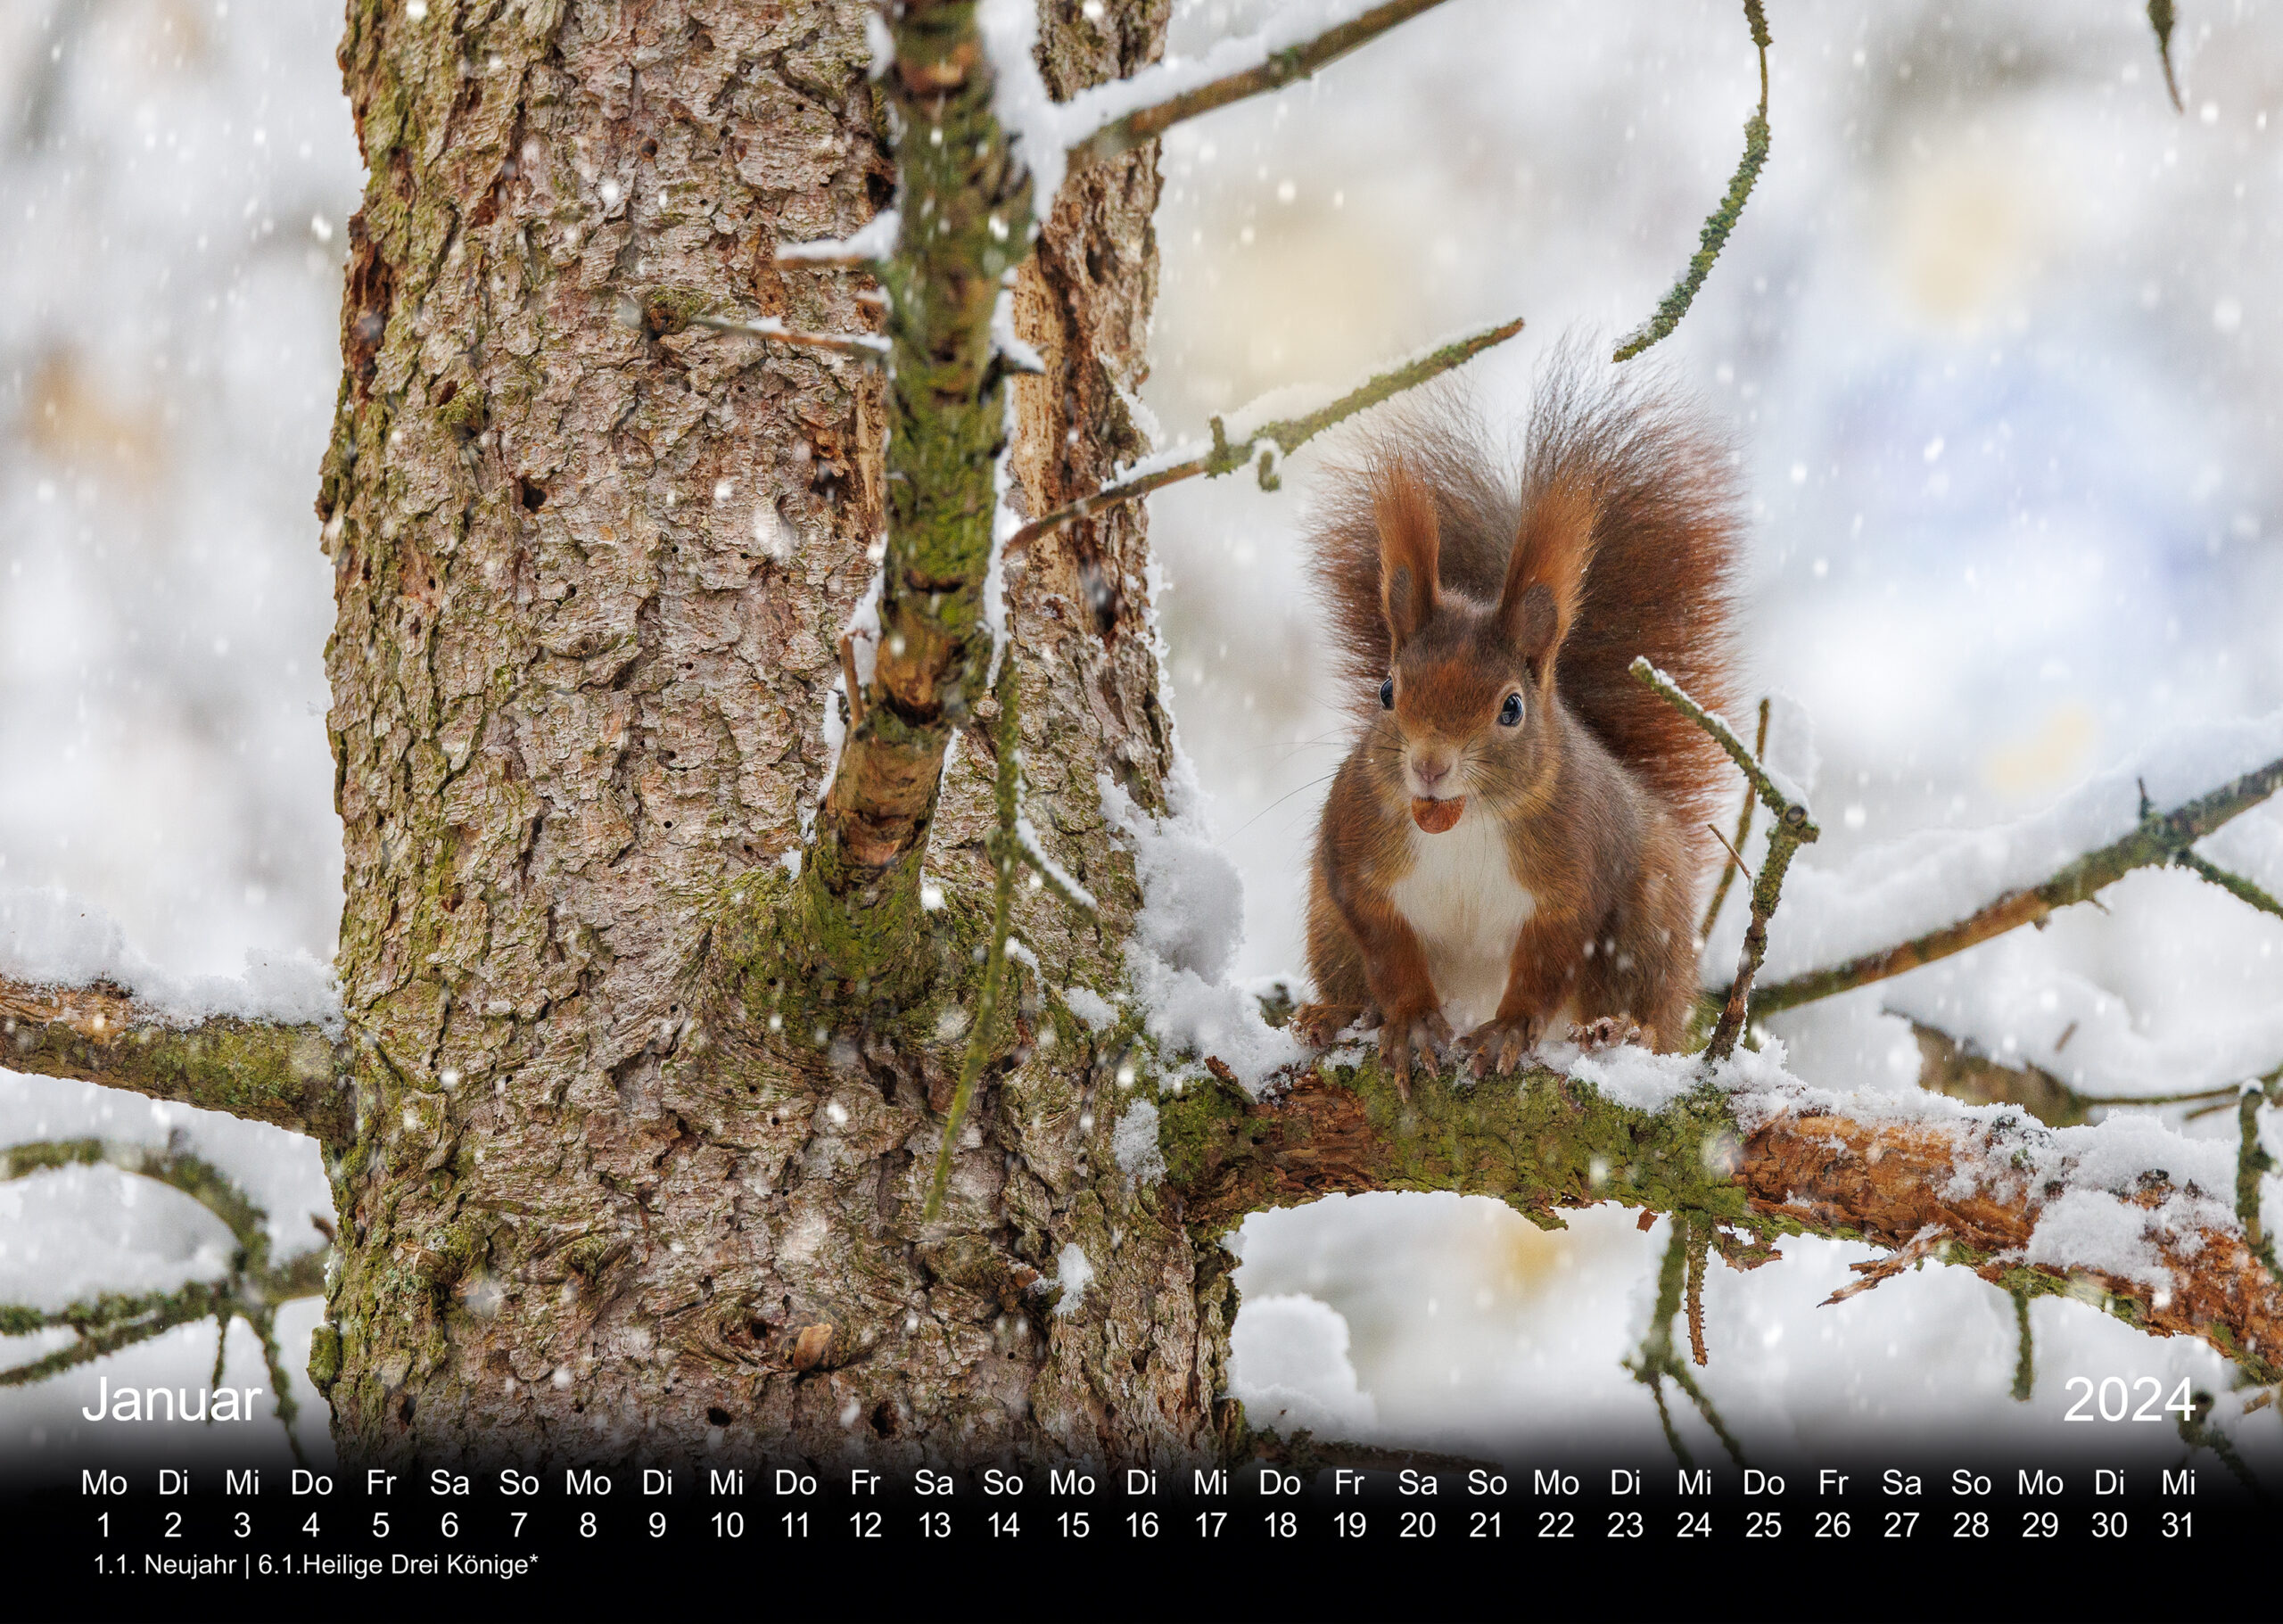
(1618, 540)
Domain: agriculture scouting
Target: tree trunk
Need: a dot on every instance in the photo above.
(620, 1179)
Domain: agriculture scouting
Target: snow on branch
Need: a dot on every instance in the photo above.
(2062, 855)
(1295, 43)
(1244, 438)
(2126, 1216)
(874, 241)
(74, 1002)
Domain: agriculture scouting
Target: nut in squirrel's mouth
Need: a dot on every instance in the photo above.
(1436, 816)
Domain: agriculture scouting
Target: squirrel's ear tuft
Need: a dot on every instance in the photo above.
(1410, 550)
(1546, 570)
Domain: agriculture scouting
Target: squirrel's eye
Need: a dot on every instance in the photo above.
(1510, 714)
(1386, 695)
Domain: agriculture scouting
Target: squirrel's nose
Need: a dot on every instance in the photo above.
(1430, 771)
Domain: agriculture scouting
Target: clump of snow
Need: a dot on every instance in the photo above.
(1134, 1143)
(1073, 1273)
(48, 939)
(1289, 1367)
(1626, 1074)
(1019, 352)
(1187, 935)
(876, 239)
(1027, 110)
(1089, 1006)
(2024, 1011)
(1192, 899)
(2082, 1225)
(1890, 893)
(863, 632)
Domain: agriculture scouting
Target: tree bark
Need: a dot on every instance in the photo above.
(591, 564)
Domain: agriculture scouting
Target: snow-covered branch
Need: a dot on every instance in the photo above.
(2126, 1216)
(2155, 840)
(857, 346)
(1298, 40)
(289, 1074)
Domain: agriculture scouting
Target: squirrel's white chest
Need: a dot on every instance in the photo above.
(1464, 903)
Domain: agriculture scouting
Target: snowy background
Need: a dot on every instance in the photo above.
(1990, 334)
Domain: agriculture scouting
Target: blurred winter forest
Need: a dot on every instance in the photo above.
(1989, 338)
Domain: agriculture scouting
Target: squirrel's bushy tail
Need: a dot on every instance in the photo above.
(1658, 580)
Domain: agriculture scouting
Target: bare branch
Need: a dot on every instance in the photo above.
(1288, 435)
(2026, 1358)
(1744, 832)
(290, 1076)
(2251, 1160)
(2161, 19)
(1680, 1282)
(1675, 304)
(1887, 1267)
(2159, 840)
(1282, 67)
(2234, 885)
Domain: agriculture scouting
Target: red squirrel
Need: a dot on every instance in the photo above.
(1518, 836)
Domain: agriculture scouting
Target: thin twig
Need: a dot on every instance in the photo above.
(2161, 19)
(1288, 434)
(1893, 1264)
(1282, 67)
(1793, 829)
(1656, 1363)
(2234, 885)
(2158, 839)
(2197, 1432)
(2251, 1160)
(252, 1289)
(2025, 1360)
(1699, 1249)
(865, 347)
(1675, 304)
(1744, 833)
(1735, 858)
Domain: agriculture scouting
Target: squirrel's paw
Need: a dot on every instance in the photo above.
(1497, 1047)
(1607, 1033)
(1427, 1034)
(1318, 1025)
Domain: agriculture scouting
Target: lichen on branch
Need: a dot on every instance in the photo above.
(253, 1289)
(1750, 1159)
(289, 1075)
